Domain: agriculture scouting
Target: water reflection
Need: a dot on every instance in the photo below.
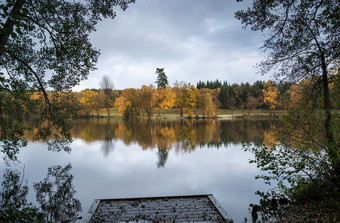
(180, 135)
(13, 199)
(55, 195)
(162, 157)
(112, 158)
(13, 190)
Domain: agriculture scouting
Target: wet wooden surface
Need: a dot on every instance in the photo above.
(196, 208)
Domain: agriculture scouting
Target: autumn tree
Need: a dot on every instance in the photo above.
(76, 101)
(302, 43)
(90, 101)
(205, 104)
(187, 98)
(297, 91)
(270, 95)
(122, 104)
(207, 101)
(146, 99)
(101, 101)
(127, 103)
(178, 85)
(165, 98)
(252, 102)
(107, 86)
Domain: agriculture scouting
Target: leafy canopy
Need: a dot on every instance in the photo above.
(45, 45)
(303, 43)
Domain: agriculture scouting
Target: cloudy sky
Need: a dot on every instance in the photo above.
(192, 39)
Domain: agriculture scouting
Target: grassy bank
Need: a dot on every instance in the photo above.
(176, 114)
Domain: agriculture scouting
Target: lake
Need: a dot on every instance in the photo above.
(111, 158)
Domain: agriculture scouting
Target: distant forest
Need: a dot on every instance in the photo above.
(260, 94)
(239, 96)
(204, 99)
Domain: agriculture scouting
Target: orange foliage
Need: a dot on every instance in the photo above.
(270, 95)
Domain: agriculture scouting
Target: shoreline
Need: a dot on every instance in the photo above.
(178, 117)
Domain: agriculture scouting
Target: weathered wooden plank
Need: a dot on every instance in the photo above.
(151, 204)
(147, 208)
(195, 208)
(201, 213)
(218, 206)
(92, 210)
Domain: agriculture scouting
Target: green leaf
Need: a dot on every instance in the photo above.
(25, 11)
(14, 35)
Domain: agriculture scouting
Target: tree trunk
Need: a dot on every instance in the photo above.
(7, 30)
(331, 145)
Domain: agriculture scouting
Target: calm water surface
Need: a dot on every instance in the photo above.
(116, 159)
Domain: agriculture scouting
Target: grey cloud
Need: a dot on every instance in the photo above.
(193, 39)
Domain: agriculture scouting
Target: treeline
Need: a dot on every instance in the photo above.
(237, 96)
(149, 100)
(203, 100)
(265, 95)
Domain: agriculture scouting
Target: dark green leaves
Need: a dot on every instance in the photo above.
(13, 203)
(162, 79)
(55, 194)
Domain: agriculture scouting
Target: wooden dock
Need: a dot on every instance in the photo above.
(193, 208)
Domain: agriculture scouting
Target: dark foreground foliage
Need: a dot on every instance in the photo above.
(308, 190)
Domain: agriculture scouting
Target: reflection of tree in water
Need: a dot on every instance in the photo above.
(109, 143)
(108, 146)
(13, 191)
(270, 138)
(55, 194)
(13, 202)
(180, 135)
(162, 157)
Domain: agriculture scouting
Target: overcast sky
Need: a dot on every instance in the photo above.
(192, 39)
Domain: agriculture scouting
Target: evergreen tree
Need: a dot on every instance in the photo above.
(162, 79)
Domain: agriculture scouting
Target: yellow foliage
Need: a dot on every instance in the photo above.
(269, 138)
(270, 95)
(146, 99)
(165, 138)
(88, 99)
(165, 98)
(36, 96)
(295, 93)
(207, 101)
(122, 104)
